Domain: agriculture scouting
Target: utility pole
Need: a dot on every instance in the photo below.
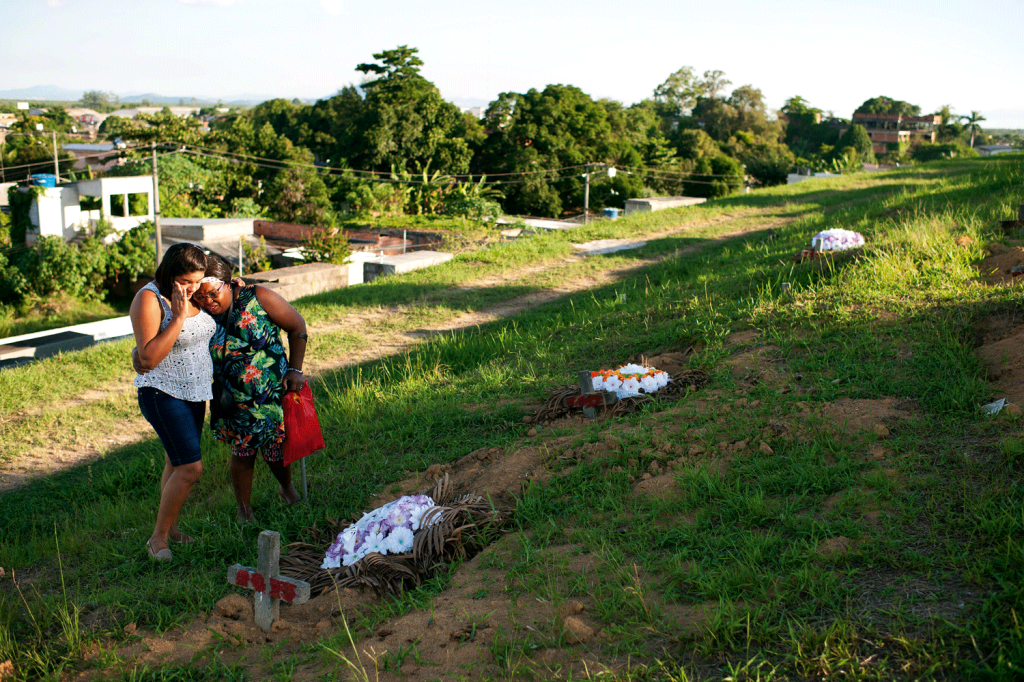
(56, 166)
(586, 198)
(156, 205)
(241, 256)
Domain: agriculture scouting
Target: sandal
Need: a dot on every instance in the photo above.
(164, 555)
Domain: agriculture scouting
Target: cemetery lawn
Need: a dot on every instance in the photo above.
(832, 503)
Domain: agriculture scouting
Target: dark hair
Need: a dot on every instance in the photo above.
(179, 259)
(218, 267)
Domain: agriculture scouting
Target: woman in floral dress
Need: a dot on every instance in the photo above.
(250, 363)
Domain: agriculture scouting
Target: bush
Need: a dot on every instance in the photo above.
(85, 271)
(714, 177)
(474, 208)
(325, 246)
(934, 152)
(768, 171)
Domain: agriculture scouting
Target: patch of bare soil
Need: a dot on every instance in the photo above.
(835, 546)
(1000, 341)
(995, 269)
(52, 455)
(876, 416)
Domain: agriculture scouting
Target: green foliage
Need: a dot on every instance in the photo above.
(769, 171)
(376, 198)
(86, 270)
(714, 177)
(682, 89)
(188, 188)
(5, 230)
(474, 208)
(255, 257)
(888, 105)
(325, 246)
(99, 101)
(934, 152)
(245, 207)
(558, 127)
(972, 122)
(20, 203)
(857, 137)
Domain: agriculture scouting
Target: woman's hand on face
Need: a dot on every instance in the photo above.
(180, 300)
(293, 381)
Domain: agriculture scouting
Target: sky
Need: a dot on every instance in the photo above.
(833, 53)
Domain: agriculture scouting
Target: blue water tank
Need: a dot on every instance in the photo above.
(611, 213)
(44, 180)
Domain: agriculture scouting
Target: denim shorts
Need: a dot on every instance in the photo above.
(179, 423)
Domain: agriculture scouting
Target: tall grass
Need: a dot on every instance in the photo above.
(893, 322)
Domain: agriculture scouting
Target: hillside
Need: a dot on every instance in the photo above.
(830, 503)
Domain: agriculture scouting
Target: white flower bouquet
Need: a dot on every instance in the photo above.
(386, 530)
(630, 380)
(836, 239)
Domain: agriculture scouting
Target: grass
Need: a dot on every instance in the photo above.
(934, 526)
(55, 312)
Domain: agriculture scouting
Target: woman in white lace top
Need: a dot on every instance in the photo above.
(172, 335)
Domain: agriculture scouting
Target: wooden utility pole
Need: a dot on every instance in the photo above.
(586, 198)
(156, 205)
(56, 166)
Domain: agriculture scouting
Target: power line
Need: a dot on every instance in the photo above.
(378, 173)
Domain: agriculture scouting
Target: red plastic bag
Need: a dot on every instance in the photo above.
(302, 434)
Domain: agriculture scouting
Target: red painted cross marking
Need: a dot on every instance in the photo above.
(288, 589)
(588, 400)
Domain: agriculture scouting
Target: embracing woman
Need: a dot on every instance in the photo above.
(172, 336)
(252, 373)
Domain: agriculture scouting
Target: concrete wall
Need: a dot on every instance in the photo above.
(358, 240)
(660, 203)
(55, 212)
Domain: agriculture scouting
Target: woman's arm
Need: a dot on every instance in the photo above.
(152, 343)
(287, 318)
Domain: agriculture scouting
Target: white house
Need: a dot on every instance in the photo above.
(58, 210)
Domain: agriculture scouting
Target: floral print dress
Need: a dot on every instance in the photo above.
(250, 360)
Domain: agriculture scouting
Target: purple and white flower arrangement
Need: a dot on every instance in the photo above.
(386, 530)
(836, 239)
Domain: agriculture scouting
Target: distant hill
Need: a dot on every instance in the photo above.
(47, 92)
(53, 93)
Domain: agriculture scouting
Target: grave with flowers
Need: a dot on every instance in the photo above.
(399, 544)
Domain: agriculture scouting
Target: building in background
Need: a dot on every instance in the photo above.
(896, 129)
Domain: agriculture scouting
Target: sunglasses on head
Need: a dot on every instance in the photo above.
(200, 297)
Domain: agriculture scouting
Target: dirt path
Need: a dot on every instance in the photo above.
(50, 456)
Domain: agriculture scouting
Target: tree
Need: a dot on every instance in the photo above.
(714, 82)
(680, 90)
(888, 105)
(405, 124)
(99, 101)
(683, 89)
(857, 137)
(951, 129)
(972, 124)
(559, 127)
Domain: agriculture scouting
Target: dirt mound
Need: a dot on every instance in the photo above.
(995, 269)
(232, 621)
(876, 416)
(1000, 342)
(835, 546)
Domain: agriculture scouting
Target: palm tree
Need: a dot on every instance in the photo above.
(972, 123)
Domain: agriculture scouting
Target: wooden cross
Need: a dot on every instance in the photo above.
(268, 583)
(589, 399)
